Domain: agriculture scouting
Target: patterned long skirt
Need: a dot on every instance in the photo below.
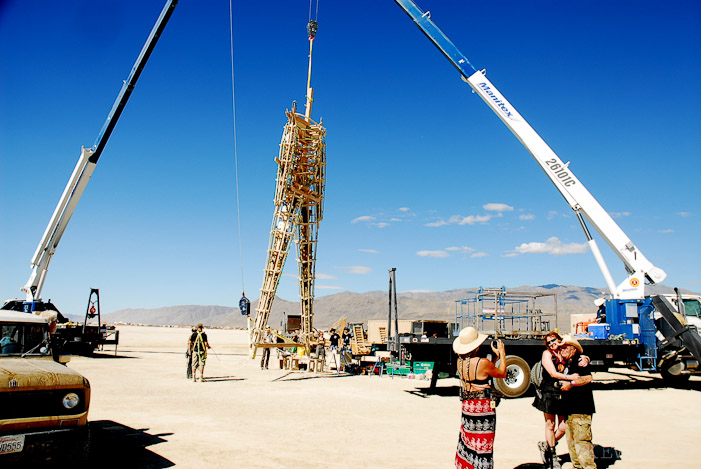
(476, 441)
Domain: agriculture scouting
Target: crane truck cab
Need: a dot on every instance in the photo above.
(691, 312)
(43, 403)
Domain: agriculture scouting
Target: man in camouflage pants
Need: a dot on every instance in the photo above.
(580, 405)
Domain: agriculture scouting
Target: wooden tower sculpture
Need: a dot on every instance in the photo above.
(299, 197)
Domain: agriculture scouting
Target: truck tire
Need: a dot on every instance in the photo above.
(673, 380)
(518, 377)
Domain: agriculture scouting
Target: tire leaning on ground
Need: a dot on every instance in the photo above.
(518, 377)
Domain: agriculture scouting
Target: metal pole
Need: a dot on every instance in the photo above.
(389, 314)
(396, 316)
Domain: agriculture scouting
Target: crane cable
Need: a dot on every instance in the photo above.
(316, 16)
(236, 160)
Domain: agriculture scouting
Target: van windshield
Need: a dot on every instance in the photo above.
(23, 338)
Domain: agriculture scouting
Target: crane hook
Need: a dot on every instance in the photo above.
(312, 26)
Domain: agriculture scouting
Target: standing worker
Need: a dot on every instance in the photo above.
(265, 359)
(333, 340)
(199, 345)
(479, 417)
(346, 339)
(188, 355)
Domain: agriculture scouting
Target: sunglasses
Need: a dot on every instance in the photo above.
(552, 341)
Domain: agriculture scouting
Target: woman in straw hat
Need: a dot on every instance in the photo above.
(479, 418)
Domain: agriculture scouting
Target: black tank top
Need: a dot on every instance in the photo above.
(476, 381)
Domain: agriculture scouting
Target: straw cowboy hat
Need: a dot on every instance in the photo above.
(569, 340)
(468, 340)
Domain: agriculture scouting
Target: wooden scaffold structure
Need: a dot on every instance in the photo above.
(299, 197)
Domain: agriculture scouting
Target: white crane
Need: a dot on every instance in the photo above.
(637, 266)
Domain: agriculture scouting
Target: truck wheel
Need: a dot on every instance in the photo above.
(673, 380)
(518, 377)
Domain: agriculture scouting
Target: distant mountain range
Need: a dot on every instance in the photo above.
(360, 307)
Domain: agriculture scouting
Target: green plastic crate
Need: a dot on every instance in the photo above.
(420, 368)
(401, 370)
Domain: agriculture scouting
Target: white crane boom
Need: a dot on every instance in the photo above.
(577, 196)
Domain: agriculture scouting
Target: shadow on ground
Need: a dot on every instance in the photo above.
(622, 381)
(444, 391)
(114, 445)
(211, 379)
(300, 376)
(603, 457)
(103, 356)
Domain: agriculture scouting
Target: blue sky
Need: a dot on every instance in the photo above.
(421, 175)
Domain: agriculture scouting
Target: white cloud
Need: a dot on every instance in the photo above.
(526, 217)
(666, 231)
(496, 207)
(479, 254)
(439, 254)
(369, 251)
(381, 224)
(471, 219)
(328, 287)
(355, 269)
(447, 252)
(395, 219)
(684, 214)
(462, 220)
(552, 246)
(363, 218)
(463, 249)
(403, 209)
(437, 223)
(619, 214)
(552, 214)
(326, 277)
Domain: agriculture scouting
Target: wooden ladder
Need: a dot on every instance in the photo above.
(383, 335)
(358, 343)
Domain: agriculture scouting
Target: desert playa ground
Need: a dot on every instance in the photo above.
(145, 413)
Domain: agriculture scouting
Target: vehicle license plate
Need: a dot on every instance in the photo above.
(11, 444)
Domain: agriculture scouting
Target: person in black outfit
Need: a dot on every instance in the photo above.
(188, 354)
(346, 338)
(333, 340)
(579, 402)
(549, 399)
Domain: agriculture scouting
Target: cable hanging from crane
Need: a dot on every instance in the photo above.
(316, 14)
(244, 303)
